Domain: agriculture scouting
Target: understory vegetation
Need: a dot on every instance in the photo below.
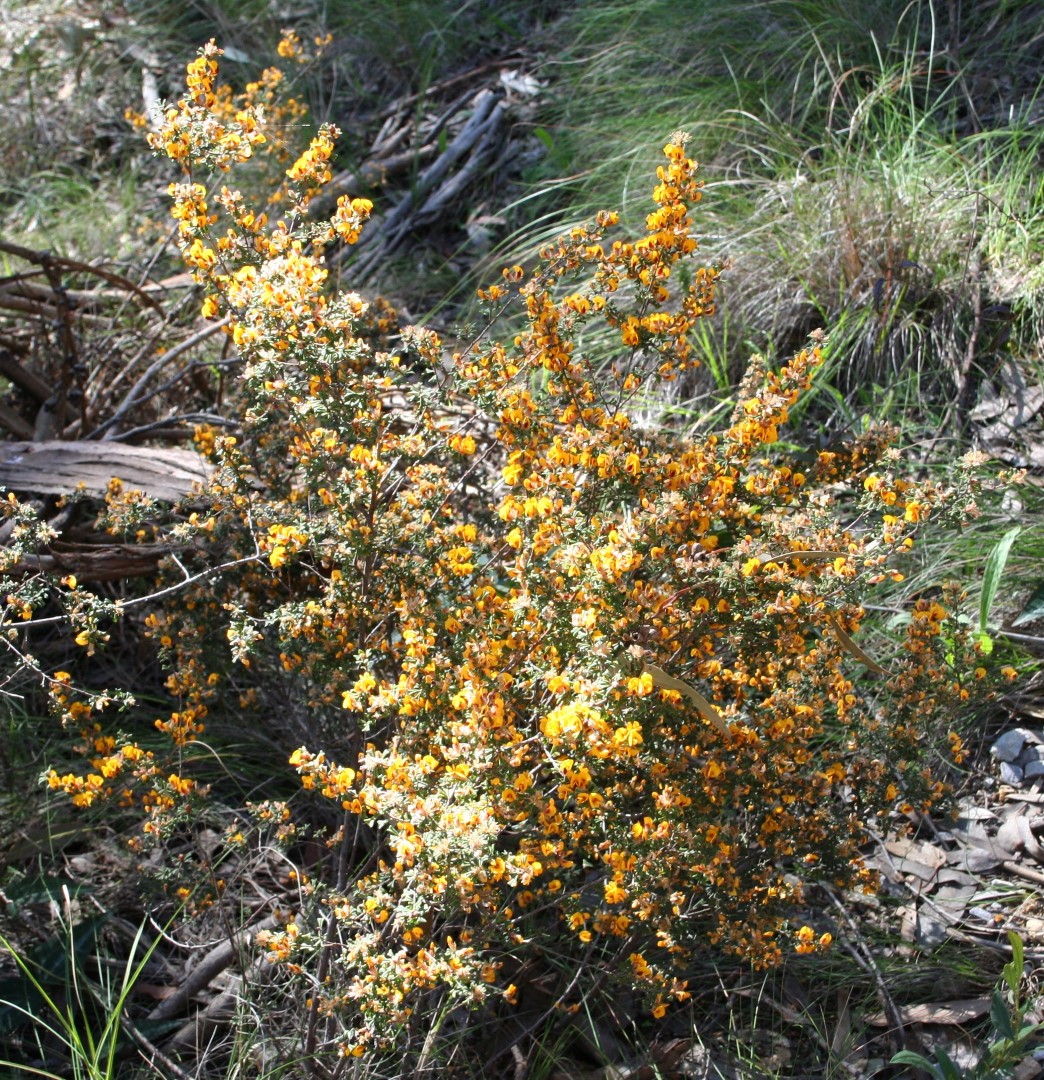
(497, 584)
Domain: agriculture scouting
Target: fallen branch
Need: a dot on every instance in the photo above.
(133, 396)
(64, 468)
(436, 187)
(216, 961)
(28, 381)
(47, 258)
(96, 562)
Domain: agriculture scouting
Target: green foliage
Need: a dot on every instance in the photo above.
(1010, 1037)
(587, 674)
(991, 579)
(61, 1002)
(866, 177)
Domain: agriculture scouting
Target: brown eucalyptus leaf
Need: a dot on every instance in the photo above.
(919, 850)
(663, 681)
(978, 860)
(917, 869)
(948, 875)
(936, 1012)
(850, 646)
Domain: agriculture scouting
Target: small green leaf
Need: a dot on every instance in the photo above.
(919, 1061)
(1017, 954)
(545, 137)
(995, 563)
(1033, 609)
(1000, 1017)
(985, 643)
(1014, 968)
(947, 1069)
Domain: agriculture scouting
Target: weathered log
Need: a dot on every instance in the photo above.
(96, 562)
(57, 467)
(23, 378)
(14, 422)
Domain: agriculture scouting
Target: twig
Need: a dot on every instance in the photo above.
(54, 620)
(869, 964)
(208, 969)
(40, 257)
(326, 954)
(131, 398)
(168, 427)
(967, 384)
(1026, 872)
(154, 1053)
(1029, 639)
(72, 369)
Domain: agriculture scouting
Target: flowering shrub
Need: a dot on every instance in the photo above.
(597, 687)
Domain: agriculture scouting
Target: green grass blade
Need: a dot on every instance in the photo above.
(1000, 1017)
(995, 563)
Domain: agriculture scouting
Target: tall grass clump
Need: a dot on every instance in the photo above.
(873, 170)
(569, 689)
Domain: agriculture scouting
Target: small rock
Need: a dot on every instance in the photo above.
(1032, 753)
(980, 913)
(930, 932)
(1035, 928)
(1034, 769)
(1027, 1069)
(1009, 745)
(1010, 774)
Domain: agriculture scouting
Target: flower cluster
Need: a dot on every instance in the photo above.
(588, 677)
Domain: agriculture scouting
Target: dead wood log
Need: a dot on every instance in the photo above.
(436, 187)
(216, 961)
(63, 468)
(96, 562)
(24, 379)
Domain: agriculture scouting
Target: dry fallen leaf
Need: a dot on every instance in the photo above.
(917, 849)
(936, 1012)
